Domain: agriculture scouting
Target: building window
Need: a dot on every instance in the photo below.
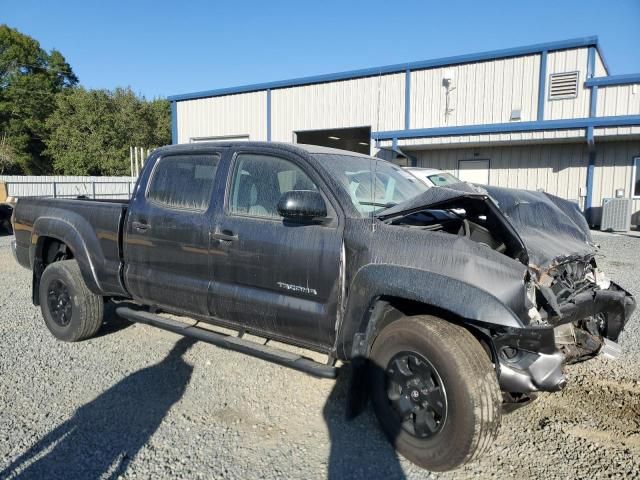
(635, 188)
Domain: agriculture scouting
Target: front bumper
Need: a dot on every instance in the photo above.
(615, 302)
(528, 360)
(531, 359)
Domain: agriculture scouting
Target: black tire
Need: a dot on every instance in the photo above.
(70, 310)
(472, 406)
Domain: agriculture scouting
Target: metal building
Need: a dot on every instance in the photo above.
(547, 116)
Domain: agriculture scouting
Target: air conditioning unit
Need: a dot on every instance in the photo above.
(616, 214)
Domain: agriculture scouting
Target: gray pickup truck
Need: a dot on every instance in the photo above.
(451, 301)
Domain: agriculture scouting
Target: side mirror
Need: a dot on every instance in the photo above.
(302, 204)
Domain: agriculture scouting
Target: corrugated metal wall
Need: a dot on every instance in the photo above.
(485, 92)
(559, 169)
(614, 169)
(242, 114)
(373, 101)
(618, 100)
(69, 186)
(562, 62)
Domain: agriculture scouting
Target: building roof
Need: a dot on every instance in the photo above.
(591, 41)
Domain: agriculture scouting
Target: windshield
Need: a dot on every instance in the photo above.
(372, 184)
(443, 178)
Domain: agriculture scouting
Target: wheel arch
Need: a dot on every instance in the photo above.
(53, 234)
(375, 302)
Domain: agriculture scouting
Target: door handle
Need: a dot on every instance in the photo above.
(141, 226)
(225, 235)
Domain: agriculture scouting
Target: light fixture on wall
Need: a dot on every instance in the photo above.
(448, 78)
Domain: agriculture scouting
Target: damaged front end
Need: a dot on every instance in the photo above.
(572, 311)
(575, 314)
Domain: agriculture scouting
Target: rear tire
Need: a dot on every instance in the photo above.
(70, 310)
(449, 390)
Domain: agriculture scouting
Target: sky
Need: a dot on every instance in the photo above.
(161, 48)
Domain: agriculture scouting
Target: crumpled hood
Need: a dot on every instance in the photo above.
(550, 227)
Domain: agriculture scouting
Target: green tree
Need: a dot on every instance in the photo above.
(8, 161)
(30, 78)
(90, 131)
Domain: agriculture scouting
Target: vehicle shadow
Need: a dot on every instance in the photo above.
(359, 448)
(104, 435)
(112, 322)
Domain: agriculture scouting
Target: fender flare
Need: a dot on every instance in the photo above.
(382, 280)
(75, 232)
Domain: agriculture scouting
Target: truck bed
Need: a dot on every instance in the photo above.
(92, 229)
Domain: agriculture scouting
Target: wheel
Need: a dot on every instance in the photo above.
(5, 225)
(435, 392)
(70, 310)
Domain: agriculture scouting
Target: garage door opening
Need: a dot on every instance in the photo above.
(353, 139)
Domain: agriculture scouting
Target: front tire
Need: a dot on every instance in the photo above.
(435, 392)
(70, 310)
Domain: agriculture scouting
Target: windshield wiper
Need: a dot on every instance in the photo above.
(378, 204)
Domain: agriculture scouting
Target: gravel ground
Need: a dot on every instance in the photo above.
(138, 402)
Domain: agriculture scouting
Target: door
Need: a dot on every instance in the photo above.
(166, 239)
(474, 171)
(270, 274)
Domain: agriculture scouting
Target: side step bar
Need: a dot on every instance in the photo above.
(264, 352)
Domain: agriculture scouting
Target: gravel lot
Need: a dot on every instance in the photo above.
(138, 402)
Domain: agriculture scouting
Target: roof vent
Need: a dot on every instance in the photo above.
(563, 85)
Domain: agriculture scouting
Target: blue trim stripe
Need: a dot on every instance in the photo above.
(407, 99)
(174, 123)
(623, 120)
(542, 85)
(396, 68)
(613, 80)
(269, 115)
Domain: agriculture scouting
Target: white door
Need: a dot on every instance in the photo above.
(474, 171)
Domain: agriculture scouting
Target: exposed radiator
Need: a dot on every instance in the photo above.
(616, 214)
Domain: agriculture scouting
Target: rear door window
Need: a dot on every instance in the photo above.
(183, 181)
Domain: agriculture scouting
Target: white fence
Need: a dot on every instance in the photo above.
(60, 186)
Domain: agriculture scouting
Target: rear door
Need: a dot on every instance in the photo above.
(270, 274)
(166, 240)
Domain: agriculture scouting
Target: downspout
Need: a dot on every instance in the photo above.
(591, 144)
